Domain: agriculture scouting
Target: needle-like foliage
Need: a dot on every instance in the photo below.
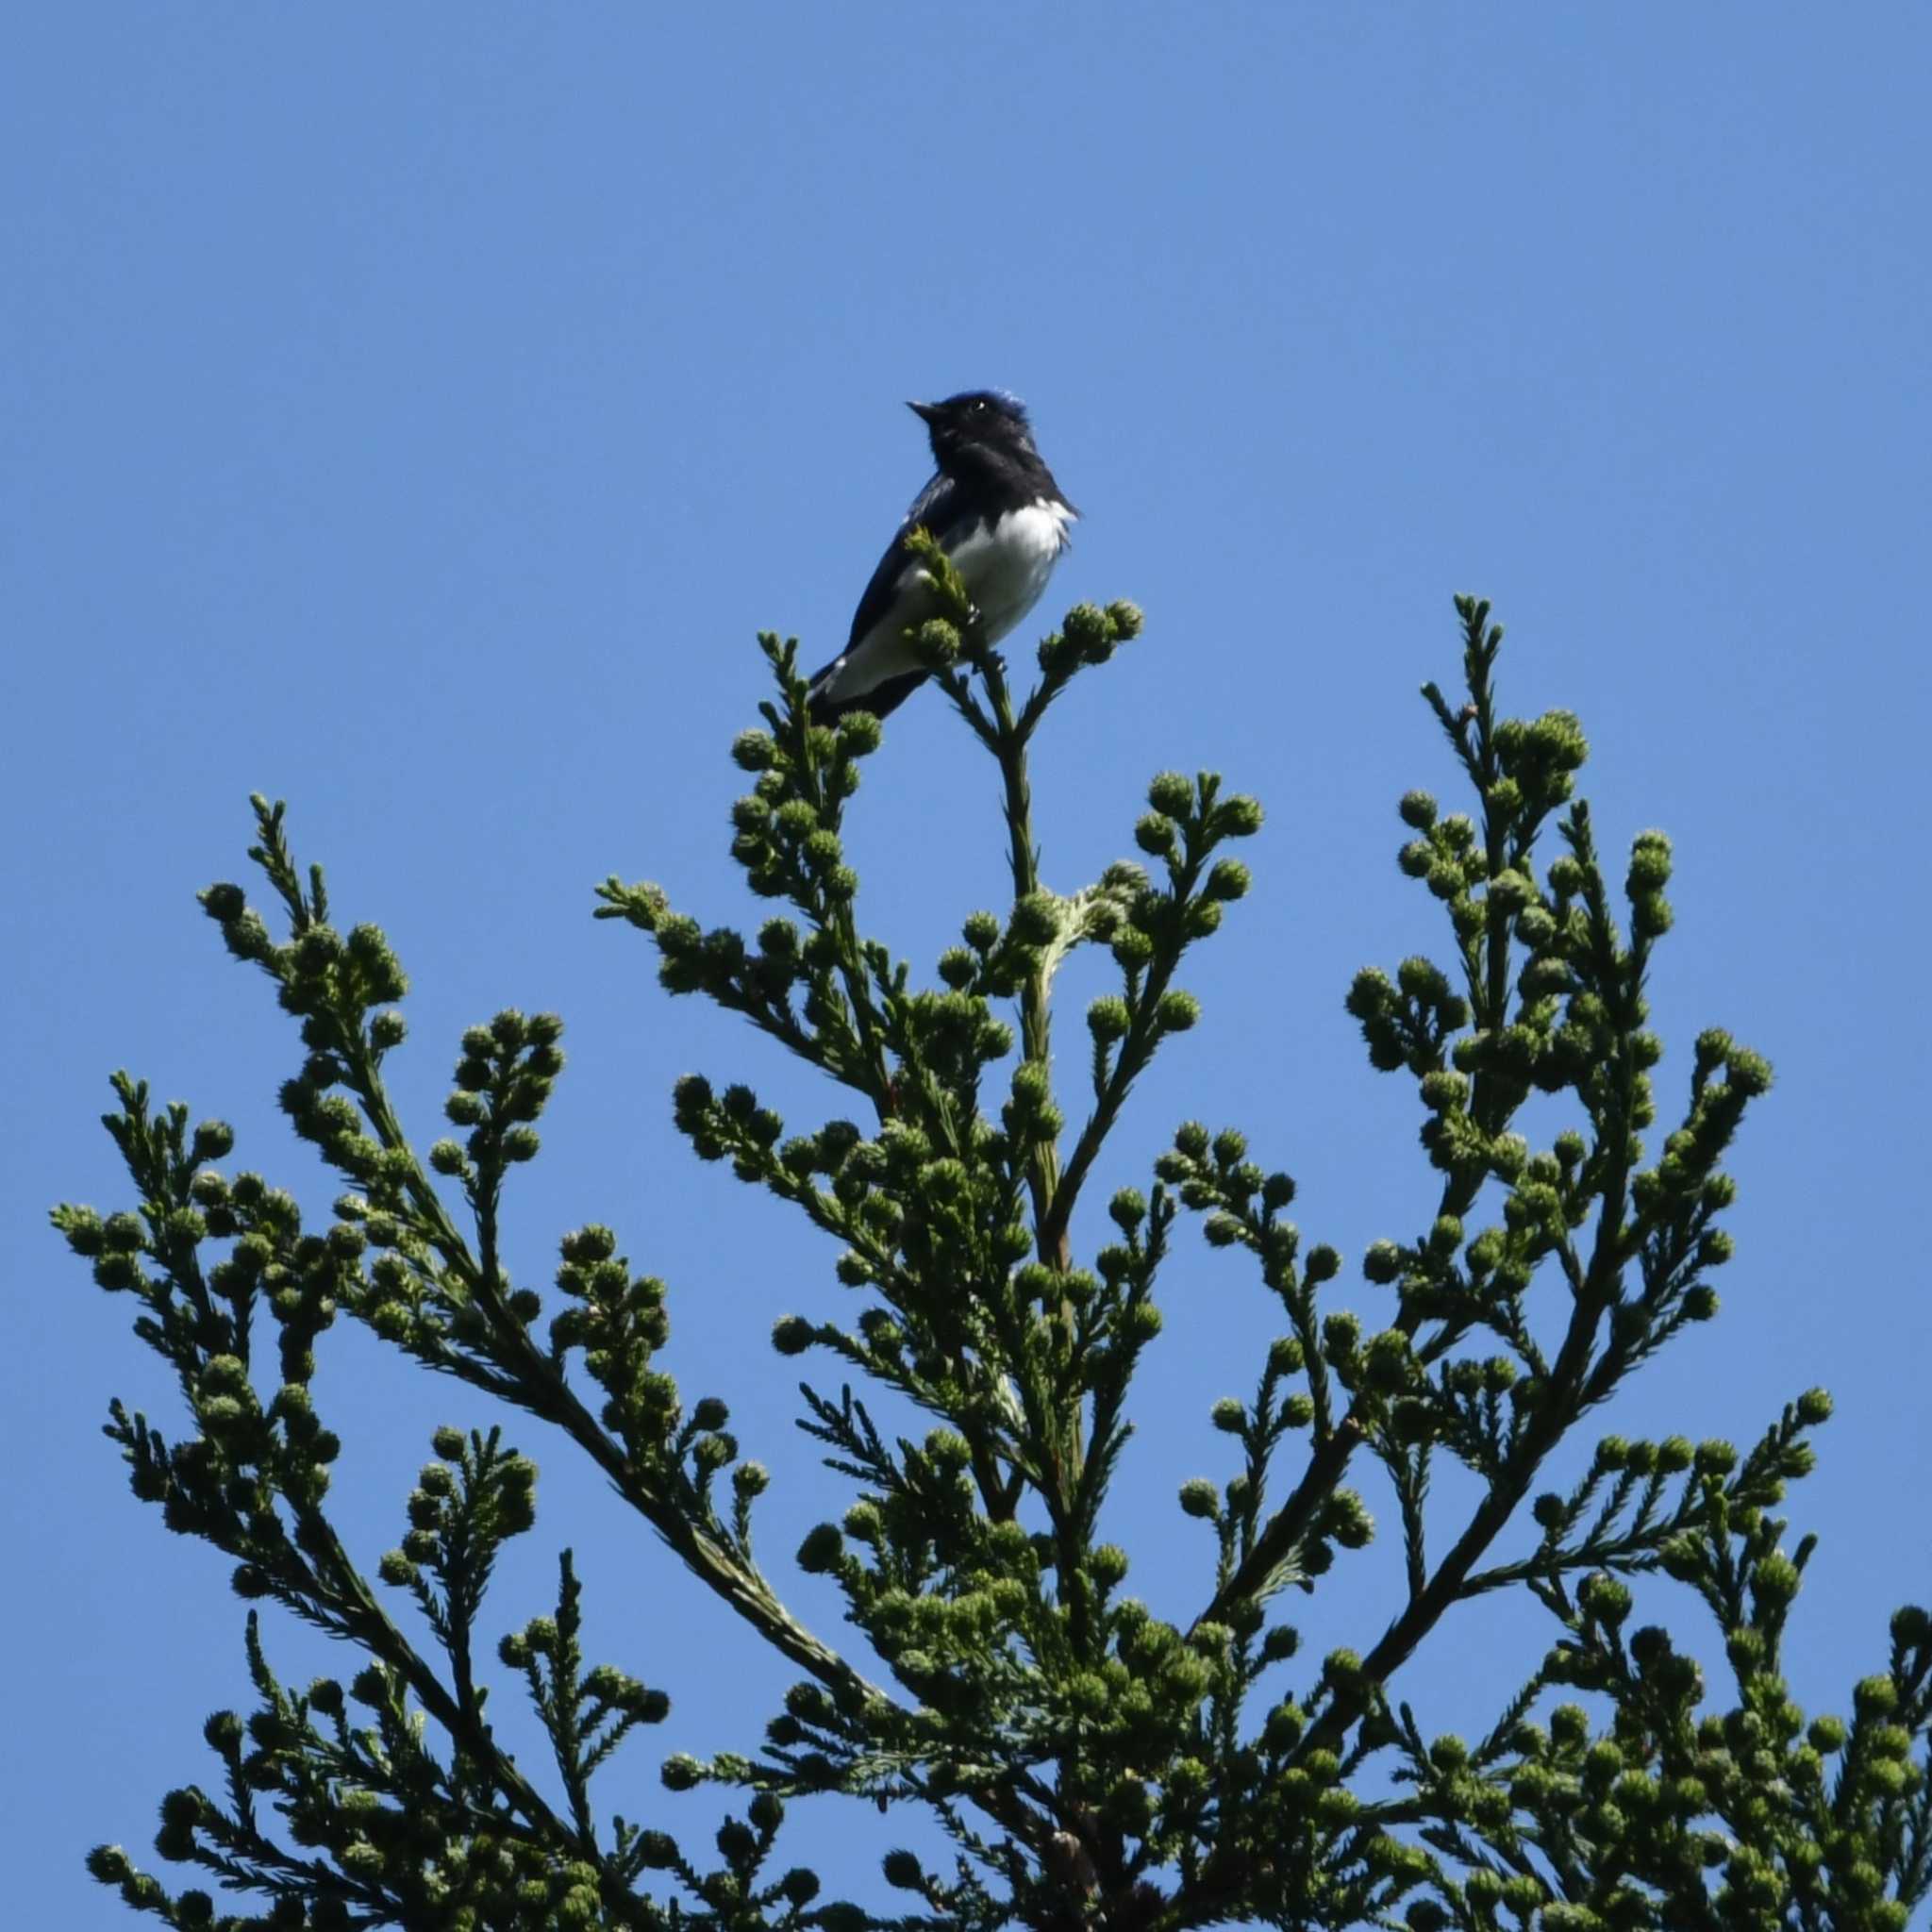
(1090, 1763)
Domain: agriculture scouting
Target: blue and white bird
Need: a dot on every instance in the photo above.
(995, 509)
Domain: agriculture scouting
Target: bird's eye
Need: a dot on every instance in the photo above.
(979, 405)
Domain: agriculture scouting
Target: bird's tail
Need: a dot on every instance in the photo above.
(883, 698)
(821, 706)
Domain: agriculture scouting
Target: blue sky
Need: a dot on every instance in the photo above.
(416, 415)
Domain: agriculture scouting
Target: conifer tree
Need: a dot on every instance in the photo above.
(1089, 1763)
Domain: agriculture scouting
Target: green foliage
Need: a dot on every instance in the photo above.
(1090, 1762)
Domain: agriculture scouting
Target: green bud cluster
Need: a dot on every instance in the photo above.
(1087, 636)
(501, 1085)
(1407, 1025)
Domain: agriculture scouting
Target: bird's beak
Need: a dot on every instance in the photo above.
(926, 412)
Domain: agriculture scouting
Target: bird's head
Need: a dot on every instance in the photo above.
(980, 419)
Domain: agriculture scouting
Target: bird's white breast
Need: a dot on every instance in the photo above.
(1005, 563)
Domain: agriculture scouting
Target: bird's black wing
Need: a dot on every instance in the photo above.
(938, 507)
(945, 509)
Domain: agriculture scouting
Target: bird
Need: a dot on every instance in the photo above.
(994, 509)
